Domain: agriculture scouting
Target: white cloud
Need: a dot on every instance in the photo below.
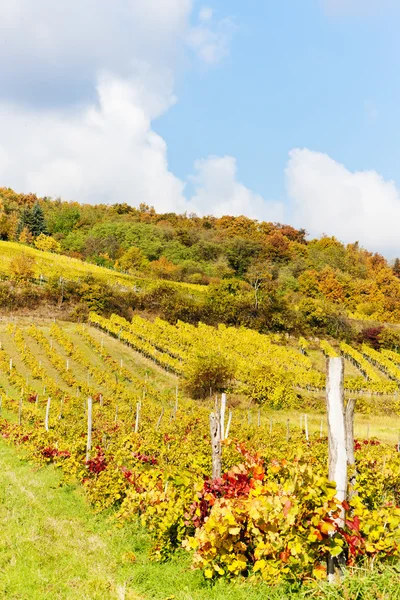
(51, 51)
(211, 37)
(81, 84)
(328, 198)
(218, 192)
(104, 153)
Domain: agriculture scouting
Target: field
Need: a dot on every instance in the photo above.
(149, 460)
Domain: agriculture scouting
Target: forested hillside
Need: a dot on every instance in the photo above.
(266, 276)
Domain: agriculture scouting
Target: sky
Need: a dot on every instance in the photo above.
(282, 111)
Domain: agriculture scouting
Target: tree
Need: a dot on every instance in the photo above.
(207, 370)
(33, 220)
(46, 243)
(22, 268)
(38, 223)
(396, 267)
(258, 275)
(132, 260)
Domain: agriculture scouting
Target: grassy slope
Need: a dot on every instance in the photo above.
(49, 264)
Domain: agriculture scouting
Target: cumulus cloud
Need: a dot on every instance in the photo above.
(82, 83)
(52, 52)
(218, 192)
(328, 198)
(106, 152)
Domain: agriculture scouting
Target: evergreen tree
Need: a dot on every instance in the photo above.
(25, 222)
(38, 223)
(396, 267)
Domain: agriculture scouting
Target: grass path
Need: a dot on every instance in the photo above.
(51, 546)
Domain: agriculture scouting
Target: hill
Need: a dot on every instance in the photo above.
(231, 270)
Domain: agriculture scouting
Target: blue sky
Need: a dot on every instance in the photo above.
(283, 111)
(296, 76)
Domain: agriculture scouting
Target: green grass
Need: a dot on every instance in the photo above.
(52, 546)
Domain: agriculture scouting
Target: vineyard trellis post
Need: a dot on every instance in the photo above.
(336, 446)
(215, 431)
(349, 416)
(89, 427)
(46, 419)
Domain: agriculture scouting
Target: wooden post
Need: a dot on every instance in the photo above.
(349, 416)
(138, 405)
(306, 427)
(177, 397)
(223, 409)
(61, 408)
(160, 418)
(67, 365)
(89, 428)
(46, 419)
(336, 445)
(215, 431)
(101, 399)
(228, 425)
(11, 364)
(20, 411)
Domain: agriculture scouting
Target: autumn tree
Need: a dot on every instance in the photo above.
(22, 268)
(258, 275)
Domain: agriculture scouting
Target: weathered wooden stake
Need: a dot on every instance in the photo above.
(11, 364)
(223, 409)
(215, 431)
(349, 417)
(46, 419)
(101, 399)
(228, 425)
(306, 427)
(89, 428)
(138, 405)
(160, 419)
(61, 408)
(67, 365)
(336, 445)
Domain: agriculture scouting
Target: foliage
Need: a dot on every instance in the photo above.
(22, 268)
(47, 243)
(207, 371)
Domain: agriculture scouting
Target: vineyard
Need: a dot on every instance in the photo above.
(147, 452)
(49, 265)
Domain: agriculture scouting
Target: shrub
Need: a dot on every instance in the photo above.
(207, 370)
(22, 268)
